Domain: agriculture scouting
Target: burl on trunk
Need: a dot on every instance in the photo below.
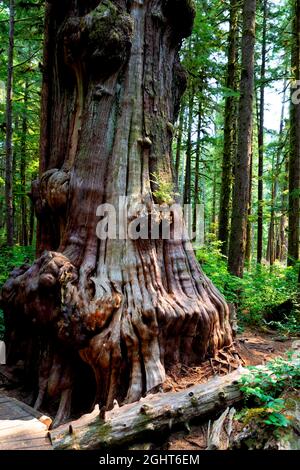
(130, 309)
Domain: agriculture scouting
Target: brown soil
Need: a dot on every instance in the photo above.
(253, 348)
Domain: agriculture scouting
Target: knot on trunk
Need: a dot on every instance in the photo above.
(82, 318)
(24, 292)
(54, 189)
(50, 192)
(101, 39)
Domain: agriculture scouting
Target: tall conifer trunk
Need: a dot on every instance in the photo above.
(230, 128)
(240, 199)
(9, 130)
(294, 160)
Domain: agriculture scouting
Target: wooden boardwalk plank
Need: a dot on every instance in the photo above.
(10, 411)
(30, 444)
(22, 427)
(4, 399)
(6, 425)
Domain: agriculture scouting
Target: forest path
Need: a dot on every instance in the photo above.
(254, 347)
(21, 427)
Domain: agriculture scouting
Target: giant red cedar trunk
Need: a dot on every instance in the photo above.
(130, 309)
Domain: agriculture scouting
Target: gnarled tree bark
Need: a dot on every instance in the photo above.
(130, 309)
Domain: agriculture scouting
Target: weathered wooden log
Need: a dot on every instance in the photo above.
(159, 412)
(219, 434)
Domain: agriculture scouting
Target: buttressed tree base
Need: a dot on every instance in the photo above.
(129, 309)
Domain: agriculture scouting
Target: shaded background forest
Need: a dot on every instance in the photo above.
(205, 148)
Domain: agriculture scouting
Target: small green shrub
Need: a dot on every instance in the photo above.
(264, 387)
(164, 192)
(259, 290)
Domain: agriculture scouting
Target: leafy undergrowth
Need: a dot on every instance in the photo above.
(9, 259)
(273, 403)
(268, 416)
(258, 293)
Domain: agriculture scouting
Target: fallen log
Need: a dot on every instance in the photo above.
(159, 412)
(138, 421)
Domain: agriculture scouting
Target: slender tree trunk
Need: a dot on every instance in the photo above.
(240, 201)
(197, 166)
(16, 149)
(188, 163)
(230, 123)
(282, 244)
(249, 223)
(281, 252)
(213, 222)
(130, 309)
(260, 215)
(294, 160)
(179, 144)
(31, 224)
(24, 229)
(9, 131)
(271, 235)
(275, 241)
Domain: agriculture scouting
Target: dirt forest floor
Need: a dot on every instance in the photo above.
(252, 348)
